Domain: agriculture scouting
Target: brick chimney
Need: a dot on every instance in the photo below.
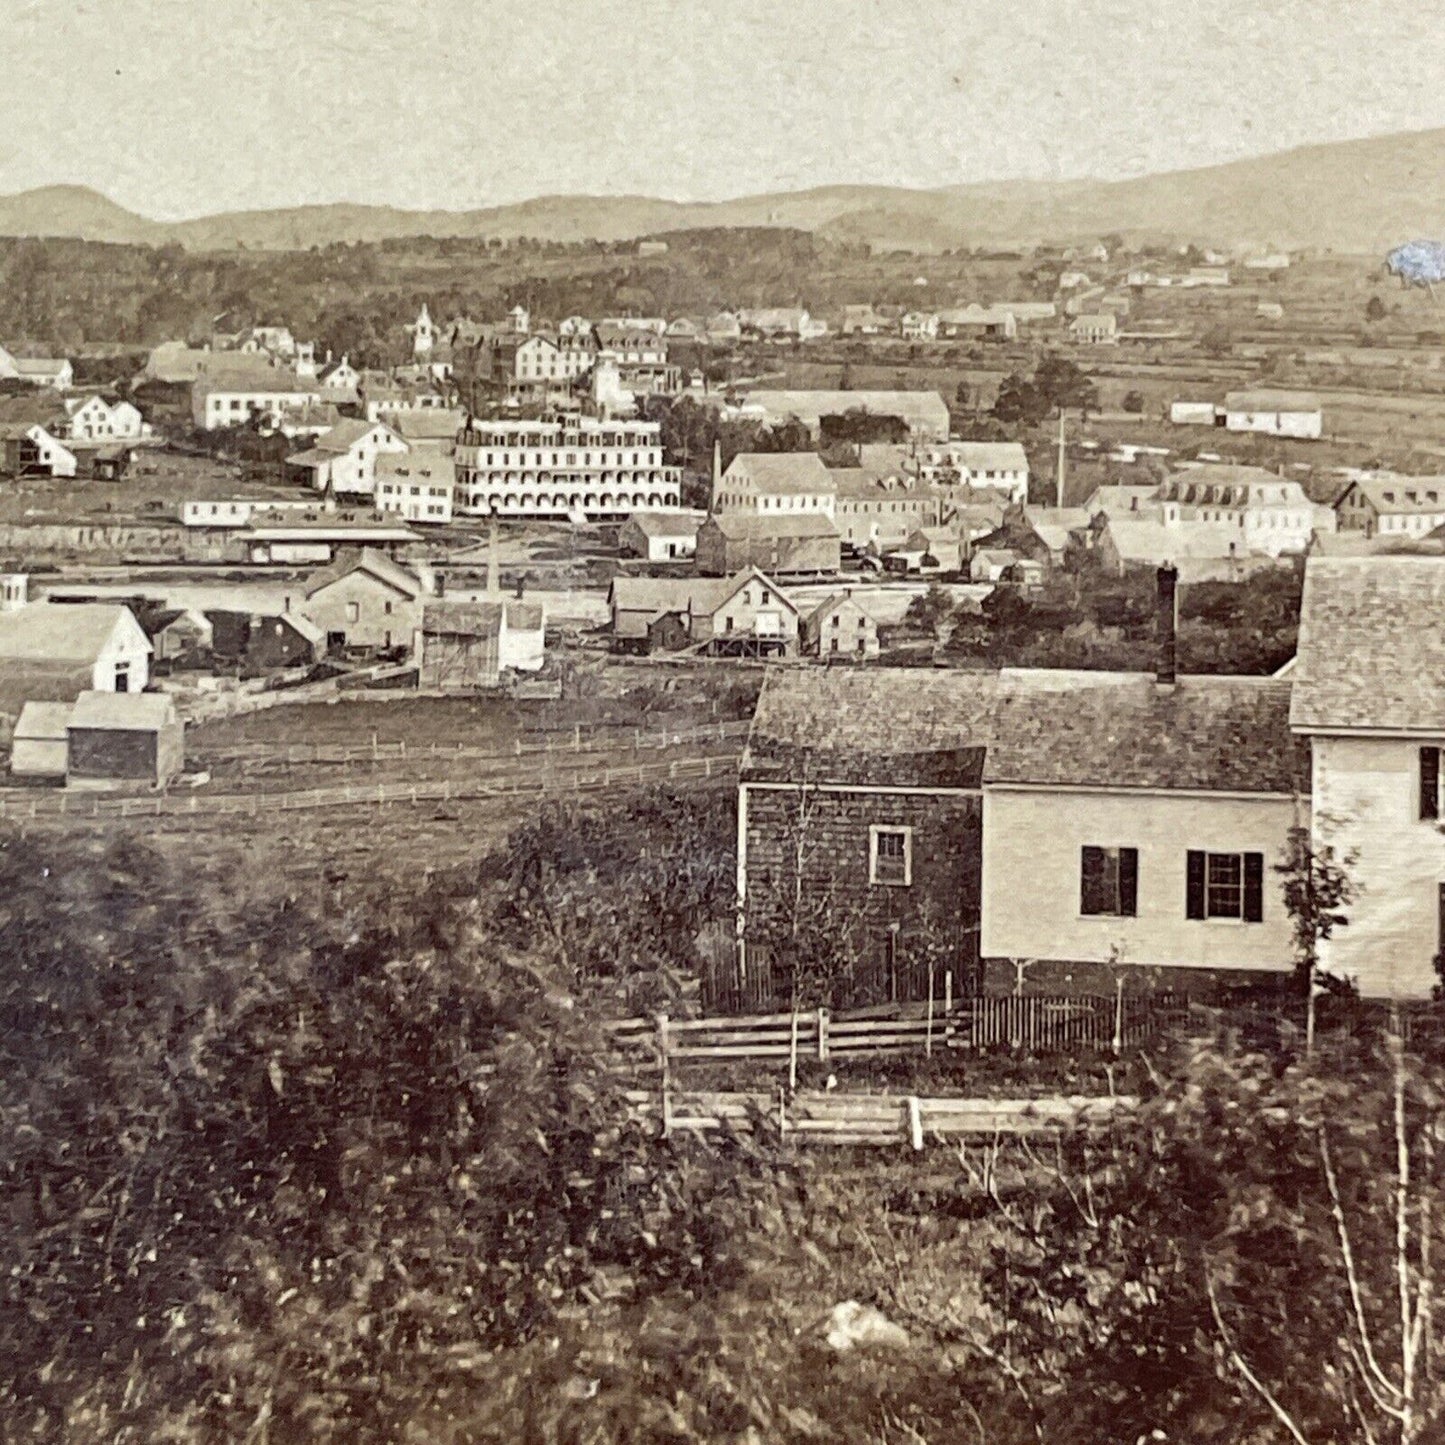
(1167, 577)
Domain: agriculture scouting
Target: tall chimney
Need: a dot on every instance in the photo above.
(1168, 665)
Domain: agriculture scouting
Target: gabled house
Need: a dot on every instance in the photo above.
(1392, 506)
(30, 450)
(879, 511)
(54, 373)
(765, 483)
(339, 376)
(260, 643)
(93, 418)
(840, 629)
(661, 536)
(53, 651)
(343, 460)
(744, 614)
(801, 542)
(179, 632)
(975, 322)
(231, 397)
(365, 600)
(419, 487)
(1369, 695)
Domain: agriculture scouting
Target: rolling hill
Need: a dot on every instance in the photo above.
(1362, 195)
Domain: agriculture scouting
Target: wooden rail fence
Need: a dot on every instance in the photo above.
(869, 1119)
(579, 740)
(1033, 1023)
(36, 803)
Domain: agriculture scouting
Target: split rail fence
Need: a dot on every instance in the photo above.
(1032, 1023)
(37, 804)
(579, 740)
(869, 1119)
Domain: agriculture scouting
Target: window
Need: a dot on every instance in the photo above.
(1225, 885)
(1429, 782)
(1109, 882)
(890, 856)
(387, 608)
(353, 612)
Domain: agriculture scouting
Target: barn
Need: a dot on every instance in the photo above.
(458, 646)
(117, 738)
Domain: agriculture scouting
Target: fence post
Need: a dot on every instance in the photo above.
(915, 1122)
(576, 737)
(664, 1073)
(822, 1034)
(793, 1053)
(928, 1035)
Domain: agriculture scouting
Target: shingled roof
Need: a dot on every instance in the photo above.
(896, 727)
(1371, 651)
(1123, 731)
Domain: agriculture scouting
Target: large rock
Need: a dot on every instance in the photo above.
(852, 1325)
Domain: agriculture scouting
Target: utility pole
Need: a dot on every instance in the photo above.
(1060, 501)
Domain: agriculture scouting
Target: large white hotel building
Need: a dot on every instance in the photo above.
(575, 465)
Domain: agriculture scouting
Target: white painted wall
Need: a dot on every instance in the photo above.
(1032, 841)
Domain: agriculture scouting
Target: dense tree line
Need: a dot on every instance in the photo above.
(1090, 619)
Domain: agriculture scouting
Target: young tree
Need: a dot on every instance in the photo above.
(1317, 891)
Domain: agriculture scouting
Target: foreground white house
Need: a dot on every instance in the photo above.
(1369, 694)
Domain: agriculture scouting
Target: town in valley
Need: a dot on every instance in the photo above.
(816, 817)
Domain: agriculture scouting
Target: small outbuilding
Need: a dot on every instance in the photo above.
(39, 744)
(119, 738)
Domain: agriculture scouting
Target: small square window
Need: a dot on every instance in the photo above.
(890, 856)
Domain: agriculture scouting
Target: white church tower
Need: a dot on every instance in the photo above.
(423, 333)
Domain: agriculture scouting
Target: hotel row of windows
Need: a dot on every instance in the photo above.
(556, 459)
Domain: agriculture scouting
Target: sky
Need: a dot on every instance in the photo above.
(178, 108)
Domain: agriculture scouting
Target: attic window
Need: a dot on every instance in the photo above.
(1389, 496)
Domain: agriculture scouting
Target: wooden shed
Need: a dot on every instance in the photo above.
(39, 744)
(458, 646)
(118, 738)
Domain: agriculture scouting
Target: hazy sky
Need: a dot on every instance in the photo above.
(181, 107)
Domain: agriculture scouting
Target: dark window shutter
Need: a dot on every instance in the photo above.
(1129, 882)
(1429, 782)
(1091, 881)
(1194, 878)
(1254, 887)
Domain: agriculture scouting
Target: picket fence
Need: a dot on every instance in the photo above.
(1029, 1023)
(35, 804)
(868, 1119)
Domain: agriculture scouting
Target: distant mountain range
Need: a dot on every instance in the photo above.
(1363, 195)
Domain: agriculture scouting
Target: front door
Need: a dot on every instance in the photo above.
(122, 677)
